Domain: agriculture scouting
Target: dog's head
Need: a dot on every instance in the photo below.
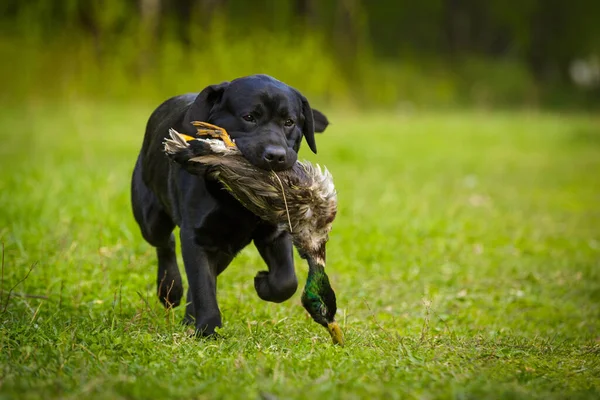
(266, 118)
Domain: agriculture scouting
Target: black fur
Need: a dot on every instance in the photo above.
(214, 227)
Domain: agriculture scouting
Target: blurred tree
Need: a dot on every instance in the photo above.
(544, 37)
(349, 30)
(307, 12)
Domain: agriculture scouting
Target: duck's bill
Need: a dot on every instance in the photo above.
(336, 333)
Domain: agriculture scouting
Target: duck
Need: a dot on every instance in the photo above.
(301, 200)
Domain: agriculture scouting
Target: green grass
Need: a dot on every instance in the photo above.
(465, 257)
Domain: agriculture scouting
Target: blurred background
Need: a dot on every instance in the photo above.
(396, 54)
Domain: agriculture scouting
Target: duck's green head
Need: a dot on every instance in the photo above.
(318, 299)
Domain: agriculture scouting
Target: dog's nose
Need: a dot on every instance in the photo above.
(275, 155)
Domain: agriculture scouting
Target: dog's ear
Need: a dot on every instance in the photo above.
(314, 121)
(321, 121)
(205, 101)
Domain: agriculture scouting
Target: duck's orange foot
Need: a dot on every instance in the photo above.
(206, 129)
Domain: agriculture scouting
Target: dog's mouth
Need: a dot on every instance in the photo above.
(264, 156)
(255, 154)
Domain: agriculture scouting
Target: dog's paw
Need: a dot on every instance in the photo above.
(206, 327)
(194, 333)
(274, 290)
(170, 294)
(203, 327)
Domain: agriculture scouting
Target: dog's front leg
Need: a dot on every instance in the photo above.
(201, 269)
(280, 282)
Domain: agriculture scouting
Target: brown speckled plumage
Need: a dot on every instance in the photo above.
(301, 200)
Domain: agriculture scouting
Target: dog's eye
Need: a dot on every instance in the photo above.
(249, 118)
(289, 122)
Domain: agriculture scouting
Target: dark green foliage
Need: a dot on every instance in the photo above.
(368, 53)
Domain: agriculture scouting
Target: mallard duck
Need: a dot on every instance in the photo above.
(301, 200)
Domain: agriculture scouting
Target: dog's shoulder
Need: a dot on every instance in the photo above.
(167, 115)
(169, 111)
(154, 163)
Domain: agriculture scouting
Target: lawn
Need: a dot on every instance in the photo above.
(465, 258)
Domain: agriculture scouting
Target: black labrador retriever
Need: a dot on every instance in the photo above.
(267, 119)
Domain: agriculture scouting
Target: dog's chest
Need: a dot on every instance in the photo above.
(226, 231)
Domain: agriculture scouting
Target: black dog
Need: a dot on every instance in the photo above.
(267, 119)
